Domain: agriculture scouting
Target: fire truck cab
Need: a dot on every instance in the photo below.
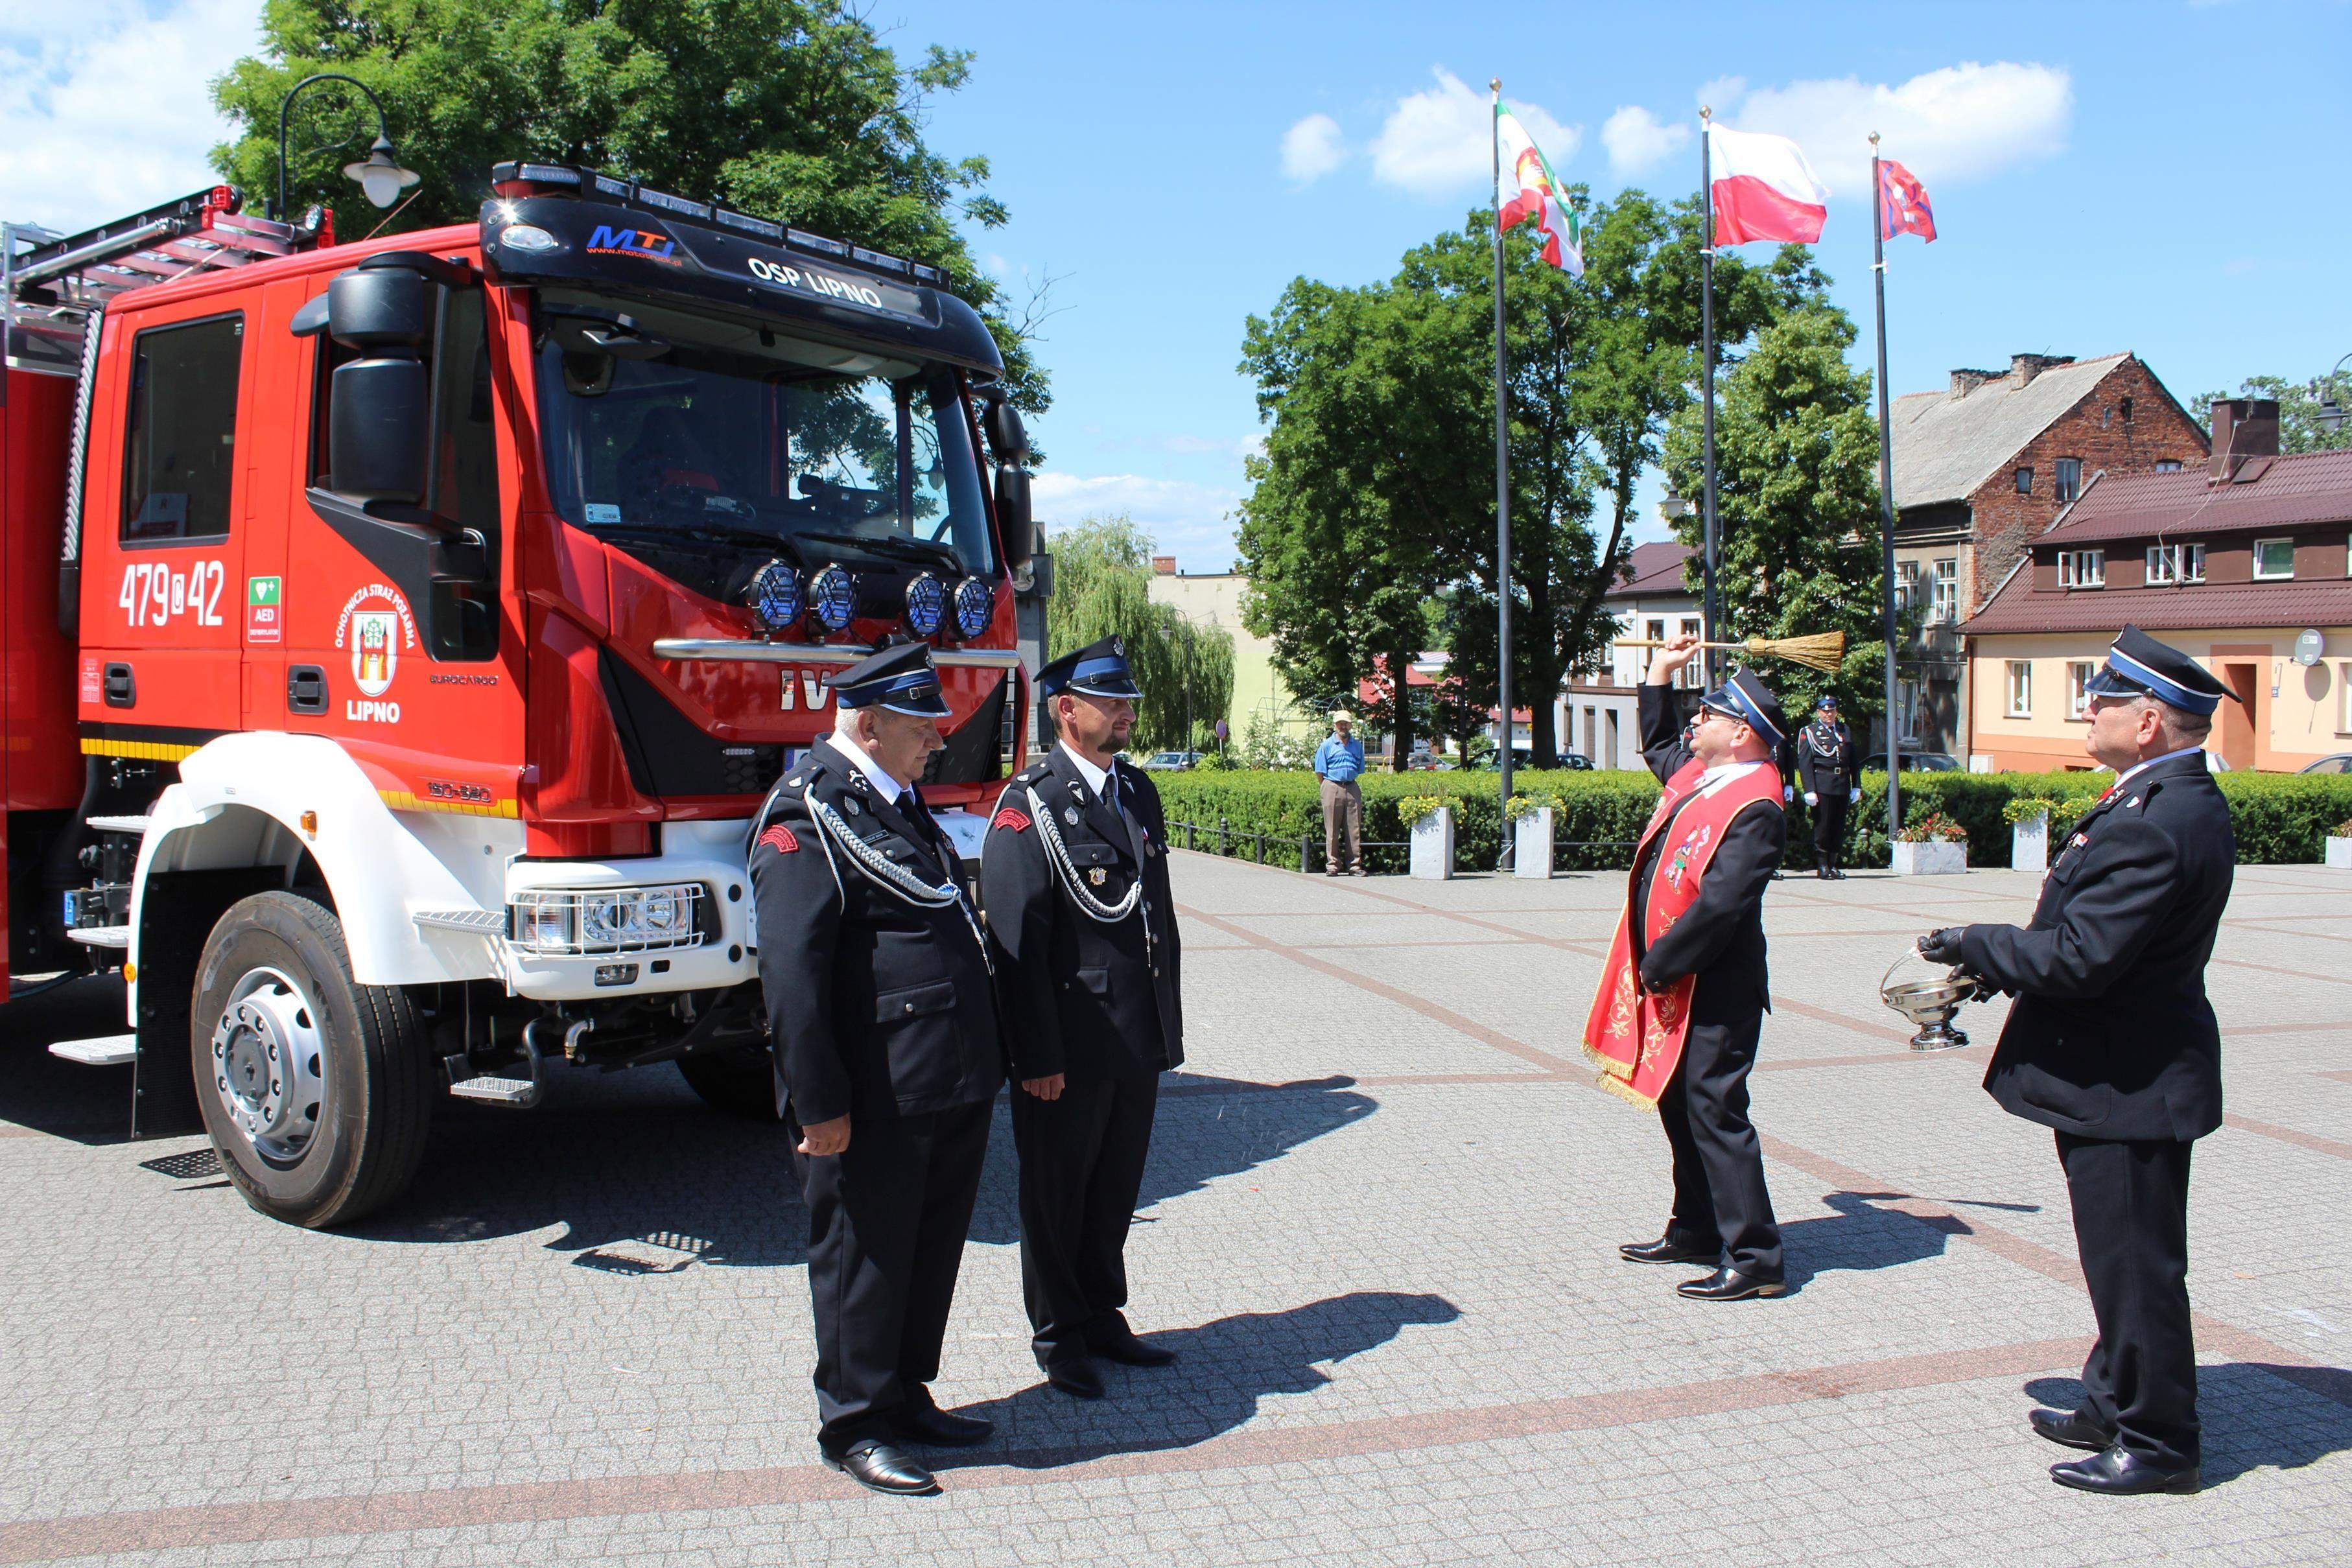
(400, 636)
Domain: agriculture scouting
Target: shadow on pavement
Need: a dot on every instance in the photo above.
(48, 1094)
(2250, 1423)
(1861, 1235)
(644, 1179)
(1223, 1369)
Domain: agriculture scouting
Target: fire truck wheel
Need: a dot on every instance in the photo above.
(740, 1082)
(317, 1089)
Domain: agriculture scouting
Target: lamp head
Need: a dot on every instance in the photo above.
(380, 176)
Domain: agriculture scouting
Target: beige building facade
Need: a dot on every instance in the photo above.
(1214, 598)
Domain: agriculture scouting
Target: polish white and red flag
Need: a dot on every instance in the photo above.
(1764, 189)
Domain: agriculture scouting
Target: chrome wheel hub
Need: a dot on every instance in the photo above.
(269, 1058)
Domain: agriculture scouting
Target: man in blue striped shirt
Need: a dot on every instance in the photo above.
(1338, 762)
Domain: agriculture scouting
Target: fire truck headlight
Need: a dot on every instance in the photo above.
(832, 593)
(775, 597)
(529, 237)
(545, 924)
(557, 921)
(927, 604)
(975, 602)
(663, 913)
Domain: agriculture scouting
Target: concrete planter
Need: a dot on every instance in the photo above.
(1433, 845)
(1531, 845)
(2029, 845)
(1930, 859)
(2339, 853)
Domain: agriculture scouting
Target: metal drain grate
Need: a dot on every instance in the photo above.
(195, 1163)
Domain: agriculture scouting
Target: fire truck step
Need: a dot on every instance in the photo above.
(495, 1091)
(118, 824)
(477, 922)
(107, 1050)
(101, 936)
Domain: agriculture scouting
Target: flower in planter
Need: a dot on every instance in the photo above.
(1413, 808)
(1519, 806)
(1931, 828)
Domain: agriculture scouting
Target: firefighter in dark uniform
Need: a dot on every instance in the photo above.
(1722, 1211)
(1830, 768)
(2113, 1044)
(1074, 875)
(882, 1015)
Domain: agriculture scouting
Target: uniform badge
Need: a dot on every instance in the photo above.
(1009, 818)
(849, 803)
(780, 840)
(1097, 876)
(1070, 815)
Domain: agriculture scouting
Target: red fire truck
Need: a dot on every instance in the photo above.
(399, 636)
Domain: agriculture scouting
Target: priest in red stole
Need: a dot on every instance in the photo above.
(1683, 997)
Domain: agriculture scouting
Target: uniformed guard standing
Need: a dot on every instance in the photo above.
(1829, 764)
(1074, 875)
(2113, 1044)
(883, 1019)
(1683, 995)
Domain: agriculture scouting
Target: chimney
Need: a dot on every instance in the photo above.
(1967, 382)
(1163, 566)
(2244, 428)
(2024, 368)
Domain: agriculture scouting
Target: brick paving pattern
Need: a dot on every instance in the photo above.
(1380, 1225)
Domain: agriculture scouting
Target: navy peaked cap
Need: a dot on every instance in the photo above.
(1751, 701)
(1097, 670)
(900, 678)
(2139, 666)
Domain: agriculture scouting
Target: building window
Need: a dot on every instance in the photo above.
(2174, 563)
(2021, 688)
(2126, 407)
(1693, 674)
(2066, 478)
(2025, 481)
(2082, 568)
(2078, 681)
(1906, 711)
(2274, 560)
(2168, 465)
(2343, 683)
(1945, 607)
(1906, 583)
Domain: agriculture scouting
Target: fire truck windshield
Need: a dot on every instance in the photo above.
(705, 446)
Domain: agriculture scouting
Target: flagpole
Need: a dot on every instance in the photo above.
(1885, 489)
(1707, 374)
(1502, 466)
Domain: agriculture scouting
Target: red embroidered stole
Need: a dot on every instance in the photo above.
(1634, 1036)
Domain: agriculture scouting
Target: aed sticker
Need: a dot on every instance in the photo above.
(377, 627)
(265, 609)
(93, 685)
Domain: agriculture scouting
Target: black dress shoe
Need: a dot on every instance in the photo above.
(1078, 1379)
(927, 1423)
(1130, 1351)
(1670, 1249)
(876, 1464)
(2123, 1474)
(1730, 1285)
(2070, 1428)
(1823, 873)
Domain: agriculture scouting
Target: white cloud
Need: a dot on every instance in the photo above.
(1637, 142)
(1722, 94)
(1961, 123)
(1312, 149)
(1185, 519)
(105, 106)
(1440, 140)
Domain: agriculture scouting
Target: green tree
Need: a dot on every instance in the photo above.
(1797, 496)
(1102, 588)
(790, 109)
(2299, 426)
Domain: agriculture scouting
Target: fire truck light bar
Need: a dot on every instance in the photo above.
(520, 179)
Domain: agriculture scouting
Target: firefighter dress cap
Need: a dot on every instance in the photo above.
(1825, 703)
(2139, 666)
(1096, 670)
(898, 678)
(1751, 701)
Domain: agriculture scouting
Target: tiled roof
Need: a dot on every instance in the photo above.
(2192, 608)
(2298, 490)
(1656, 568)
(1945, 446)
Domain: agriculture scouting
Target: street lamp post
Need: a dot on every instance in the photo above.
(379, 175)
(2330, 417)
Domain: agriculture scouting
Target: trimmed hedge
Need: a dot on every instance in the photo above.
(2281, 818)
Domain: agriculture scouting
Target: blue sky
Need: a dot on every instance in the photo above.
(2163, 177)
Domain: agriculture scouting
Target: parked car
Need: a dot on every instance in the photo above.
(1928, 761)
(2339, 763)
(1171, 761)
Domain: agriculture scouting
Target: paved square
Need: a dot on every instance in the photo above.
(1378, 1225)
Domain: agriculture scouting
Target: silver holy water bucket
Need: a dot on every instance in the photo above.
(1932, 1004)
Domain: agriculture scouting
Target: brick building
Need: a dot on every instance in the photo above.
(1981, 469)
(2244, 562)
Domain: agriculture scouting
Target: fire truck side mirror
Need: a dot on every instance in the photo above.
(378, 431)
(1013, 516)
(1006, 438)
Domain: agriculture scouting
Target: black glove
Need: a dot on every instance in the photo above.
(1942, 946)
